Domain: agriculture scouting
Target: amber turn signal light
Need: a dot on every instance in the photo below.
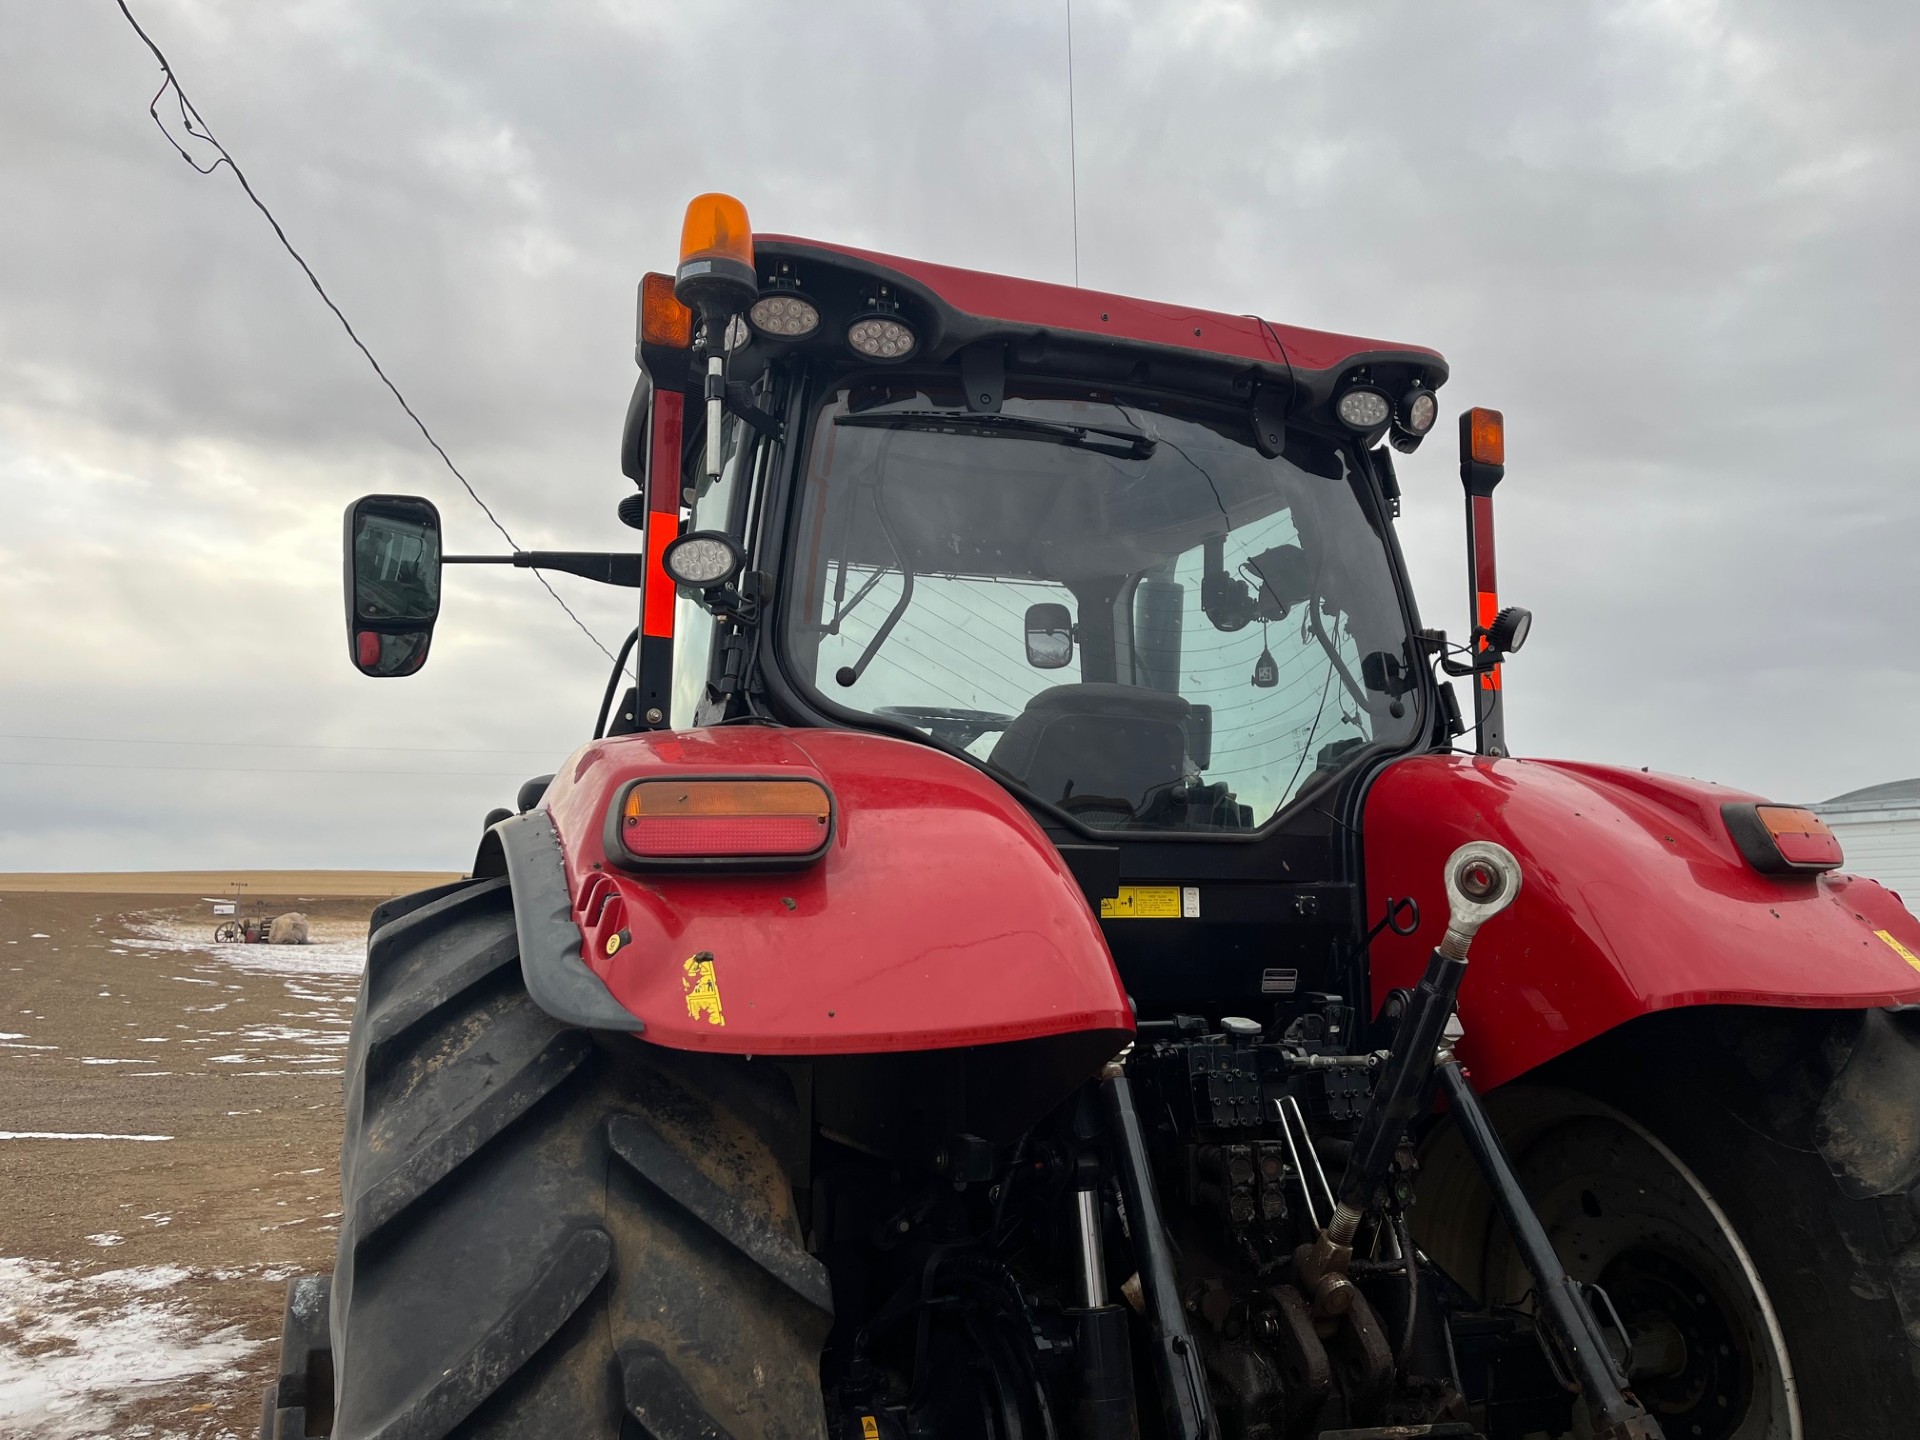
(1483, 437)
(663, 319)
(1783, 839)
(741, 820)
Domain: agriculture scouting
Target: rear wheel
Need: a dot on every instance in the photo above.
(1761, 1302)
(551, 1232)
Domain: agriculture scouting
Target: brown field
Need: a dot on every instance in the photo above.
(288, 885)
(141, 1279)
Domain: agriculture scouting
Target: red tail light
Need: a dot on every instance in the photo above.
(1783, 839)
(741, 822)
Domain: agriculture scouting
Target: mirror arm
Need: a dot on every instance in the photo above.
(606, 567)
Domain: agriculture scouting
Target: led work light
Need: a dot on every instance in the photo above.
(784, 315)
(702, 560)
(1363, 408)
(1418, 410)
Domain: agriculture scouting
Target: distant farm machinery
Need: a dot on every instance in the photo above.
(288, 929)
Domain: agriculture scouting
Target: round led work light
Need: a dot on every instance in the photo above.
(881, 337)
(1510, 629)
(702, 560)
(1363, 408)
(784, 315)
(1418, 410)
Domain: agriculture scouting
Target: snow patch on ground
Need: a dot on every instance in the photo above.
(76, 1349)
(324, 955)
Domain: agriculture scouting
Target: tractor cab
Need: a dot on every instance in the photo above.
(1134, 562)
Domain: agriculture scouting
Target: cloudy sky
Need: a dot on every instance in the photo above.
(1675, 242)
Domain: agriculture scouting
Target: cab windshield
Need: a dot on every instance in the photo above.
(1130, 613)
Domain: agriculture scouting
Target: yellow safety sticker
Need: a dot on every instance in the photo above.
(703, 989)
(1900, 950)
(869, 1428)
(1142, 902)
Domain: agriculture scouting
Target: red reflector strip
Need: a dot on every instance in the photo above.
(1810, 850)
(663, 836)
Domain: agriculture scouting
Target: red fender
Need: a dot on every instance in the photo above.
(940, 916)
(1634, 899)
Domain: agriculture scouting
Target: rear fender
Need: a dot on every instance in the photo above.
(939, 917)
(1634, 901)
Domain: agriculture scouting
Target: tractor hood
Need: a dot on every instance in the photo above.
(937, 916)
(1635, 899)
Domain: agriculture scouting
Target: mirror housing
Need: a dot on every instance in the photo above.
(1049, 628)
(392, 563)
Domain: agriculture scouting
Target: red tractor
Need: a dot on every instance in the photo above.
(1012, 965)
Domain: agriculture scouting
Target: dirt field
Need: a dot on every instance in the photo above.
(169, 1141)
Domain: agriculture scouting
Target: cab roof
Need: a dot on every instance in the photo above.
(975, 300)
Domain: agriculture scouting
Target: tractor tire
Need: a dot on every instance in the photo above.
(1692, 1167)
(548, 1231)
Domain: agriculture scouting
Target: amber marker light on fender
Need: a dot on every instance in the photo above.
(738, 822)
(1783, 839)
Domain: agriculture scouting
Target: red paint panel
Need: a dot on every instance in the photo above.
(1634, 900)
(1094, 312)
(940, 915)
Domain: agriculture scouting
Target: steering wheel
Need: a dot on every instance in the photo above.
(947, 724)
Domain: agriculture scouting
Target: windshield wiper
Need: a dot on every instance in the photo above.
(1121, 444)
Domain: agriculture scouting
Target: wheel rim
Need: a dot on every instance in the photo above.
(1708, 1357)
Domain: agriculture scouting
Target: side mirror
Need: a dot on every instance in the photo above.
(1049, 636)
(392, 549)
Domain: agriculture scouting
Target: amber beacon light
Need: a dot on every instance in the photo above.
(716, 256)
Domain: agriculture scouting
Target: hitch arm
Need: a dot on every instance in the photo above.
(1482, 879)
(1564, 1313)
(1187, 1405)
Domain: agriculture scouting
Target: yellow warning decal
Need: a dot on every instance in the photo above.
(1900, 950)
(1142, 902)
(869, 1428)
(703, 989)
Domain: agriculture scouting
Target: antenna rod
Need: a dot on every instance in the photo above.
(1073, 151)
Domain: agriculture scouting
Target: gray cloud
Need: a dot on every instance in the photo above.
(1671, 241)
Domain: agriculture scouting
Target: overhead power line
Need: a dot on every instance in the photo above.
(196, 126)
(251, 769)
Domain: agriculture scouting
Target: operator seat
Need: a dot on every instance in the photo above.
(1075, 744)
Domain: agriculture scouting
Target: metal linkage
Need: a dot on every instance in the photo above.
(1564, 1313)
(1180, 1376)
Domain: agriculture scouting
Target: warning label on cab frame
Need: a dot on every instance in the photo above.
(1152, 902)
